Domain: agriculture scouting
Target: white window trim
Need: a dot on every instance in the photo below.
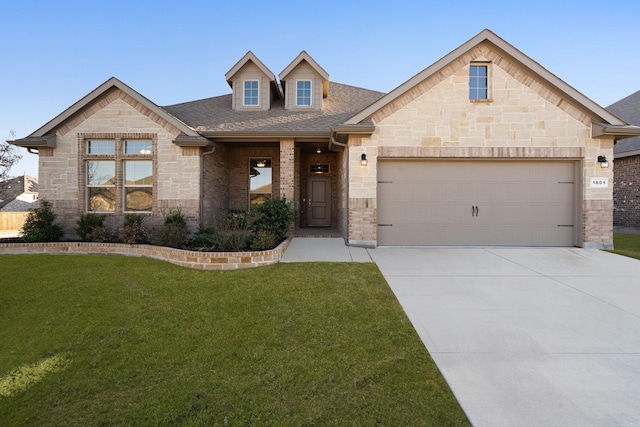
(310, 93)
(244, 92)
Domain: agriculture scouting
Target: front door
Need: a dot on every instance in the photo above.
(319, 202)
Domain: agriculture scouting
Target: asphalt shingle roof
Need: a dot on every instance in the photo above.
(628, 109)
(216, 115)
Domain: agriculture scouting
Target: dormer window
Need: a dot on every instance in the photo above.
(251, 93)
(303, 93)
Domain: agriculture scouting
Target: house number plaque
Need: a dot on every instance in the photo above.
(599, 182)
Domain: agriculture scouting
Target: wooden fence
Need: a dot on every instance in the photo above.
(12, 220)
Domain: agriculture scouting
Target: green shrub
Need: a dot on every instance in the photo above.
(238, 219)
(133, 229)
(87, 223)
(101, 234)
(274, 216)
(263, 240)
(174, 232)
(40, 225)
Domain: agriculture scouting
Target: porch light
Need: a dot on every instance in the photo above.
(363, 159)
(261, 163)
(603, 162)
(318, 150)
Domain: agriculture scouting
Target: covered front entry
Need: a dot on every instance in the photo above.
(477, 202)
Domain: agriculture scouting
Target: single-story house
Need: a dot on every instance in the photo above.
(483, 147)
(626, 166)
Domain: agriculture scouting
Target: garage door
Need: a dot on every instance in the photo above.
(501, 203)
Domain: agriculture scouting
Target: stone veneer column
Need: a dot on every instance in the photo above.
(287, 168)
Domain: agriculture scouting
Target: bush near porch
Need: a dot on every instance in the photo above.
(262, 228)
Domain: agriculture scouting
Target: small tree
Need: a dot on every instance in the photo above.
(40, 226)
(8, 157)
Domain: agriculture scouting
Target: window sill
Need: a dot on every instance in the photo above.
(481, 101)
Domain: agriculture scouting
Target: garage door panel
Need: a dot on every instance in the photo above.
(519, 203)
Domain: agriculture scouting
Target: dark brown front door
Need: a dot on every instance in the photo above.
(319, 203)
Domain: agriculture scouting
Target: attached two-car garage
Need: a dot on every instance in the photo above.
(477, 202)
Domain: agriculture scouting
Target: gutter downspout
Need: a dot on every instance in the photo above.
(213, 149)
(332, 141)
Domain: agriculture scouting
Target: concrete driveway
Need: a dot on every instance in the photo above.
(527, 337)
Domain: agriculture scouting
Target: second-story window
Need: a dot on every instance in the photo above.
(478, 82)
(303, 93)
(251, 93)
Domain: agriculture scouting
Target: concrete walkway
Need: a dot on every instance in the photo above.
(310, 249)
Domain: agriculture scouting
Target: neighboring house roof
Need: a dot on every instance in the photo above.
(45, 136)
(13, 188)
(214, 117)
(598, 114)
(628, 109)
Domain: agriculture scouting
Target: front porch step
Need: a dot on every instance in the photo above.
(317, 232)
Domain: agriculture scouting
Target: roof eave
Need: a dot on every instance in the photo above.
(356, 129)
(183, 140)
(46, 141)
(618, 131)
(244, 136)
(626, 154)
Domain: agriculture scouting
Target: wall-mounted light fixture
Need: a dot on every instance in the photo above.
(318, 150)
(603, 162)
(363, 159)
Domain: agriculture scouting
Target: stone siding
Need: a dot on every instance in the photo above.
(626, 192)
(176, 170)
(523, 119)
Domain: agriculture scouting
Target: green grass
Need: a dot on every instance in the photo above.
(627, 245)
(128, 341)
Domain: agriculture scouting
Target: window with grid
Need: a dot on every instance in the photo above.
(479, 82)
(119, 175)
(251, 93)
(303, 93)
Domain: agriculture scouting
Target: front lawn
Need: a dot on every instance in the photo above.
(128, 341)
(627, 244)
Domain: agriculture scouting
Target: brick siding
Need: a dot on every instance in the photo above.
(626, 192)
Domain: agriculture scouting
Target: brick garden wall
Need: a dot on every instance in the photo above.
(190, 259)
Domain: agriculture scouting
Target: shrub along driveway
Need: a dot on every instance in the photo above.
(527, 336)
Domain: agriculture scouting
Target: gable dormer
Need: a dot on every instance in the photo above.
(305, 83)
(253, 84)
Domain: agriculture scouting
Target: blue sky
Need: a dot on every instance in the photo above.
(52, 53)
